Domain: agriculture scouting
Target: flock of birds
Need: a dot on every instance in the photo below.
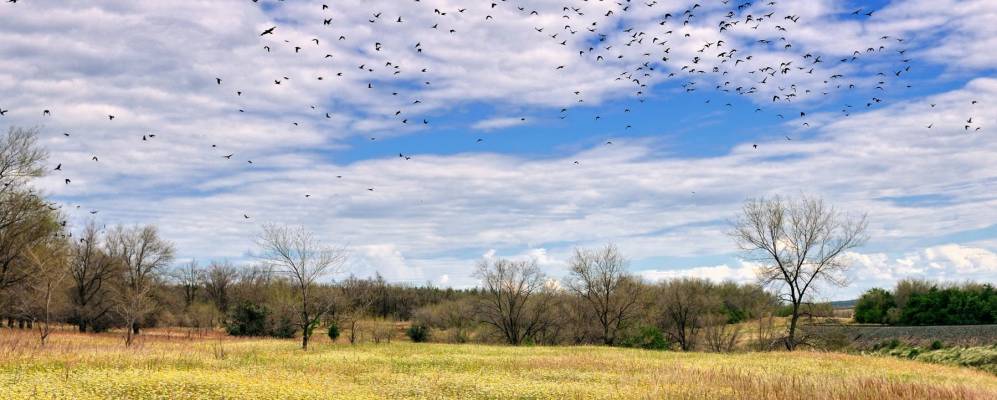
(645, 58)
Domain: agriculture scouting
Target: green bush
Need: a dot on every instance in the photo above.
(418, 333)
(284, 328)
(872, 307)
(968, 305)
(936, 345)
(646, 337)
(248, 319)
(333, 331)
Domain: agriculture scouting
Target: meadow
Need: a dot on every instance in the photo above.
(169, 366)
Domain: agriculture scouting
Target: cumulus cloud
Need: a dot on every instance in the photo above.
(744, 273)
(496, 123)
(948, 262)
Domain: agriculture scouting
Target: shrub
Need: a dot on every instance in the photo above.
(646, 337)
(284, 328)
(333, 331)
(873, 306)
(248, 319)
(418, 333)
(936, 345)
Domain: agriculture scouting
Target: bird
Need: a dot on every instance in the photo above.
(229, 157)
(268, 31)
(58, 167)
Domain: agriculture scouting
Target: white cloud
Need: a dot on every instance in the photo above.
(948, 262)
(497, 123)
(744, 273)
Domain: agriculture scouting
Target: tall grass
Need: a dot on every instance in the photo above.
(164, 366)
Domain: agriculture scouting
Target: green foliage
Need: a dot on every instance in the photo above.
(418, 333)
(920, 303)
(248, 319)
(333, 331)
(872, 307)
(967, 305)
(981, 357)
(646, 337)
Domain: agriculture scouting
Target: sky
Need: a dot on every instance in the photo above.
(426, 135)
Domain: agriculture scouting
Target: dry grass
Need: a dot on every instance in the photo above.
(166, 365)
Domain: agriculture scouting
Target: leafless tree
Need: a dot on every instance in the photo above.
(684, 304)
(218, 281)
(21, 158)
(718, 335)
(300, 256)
(24, 217)
(143, 256)
(601, 279)
(48, 262)
(513, 301)
(189, 277)
(91, 271)
(356, 297)
(799, 243)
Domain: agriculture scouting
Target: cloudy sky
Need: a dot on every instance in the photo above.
(428, 134)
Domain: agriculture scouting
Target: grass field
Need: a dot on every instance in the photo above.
(167, 367)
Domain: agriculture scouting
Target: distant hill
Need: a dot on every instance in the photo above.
(843, 303)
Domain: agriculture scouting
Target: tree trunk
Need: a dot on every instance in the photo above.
(82, 325)
(791, 337)
(135, 328)
(304, 341)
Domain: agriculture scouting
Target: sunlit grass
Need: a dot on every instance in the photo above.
(161, 367)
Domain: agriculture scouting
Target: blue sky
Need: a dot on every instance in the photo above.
(536, 185)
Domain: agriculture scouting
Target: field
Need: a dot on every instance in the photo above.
(163, 366)
(866, 336)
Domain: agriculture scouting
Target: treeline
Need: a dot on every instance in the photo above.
(918, 302)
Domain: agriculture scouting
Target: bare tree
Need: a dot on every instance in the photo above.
(684, 304)
(143, 256)
(355, 299)
(718, 335)
(513, 300)
(600, 278)
(91, 271)
(799, 243)
(218, 281)
(296, 253)
(189, 277)
(49, 267)
(21, 158)
(25, 219)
